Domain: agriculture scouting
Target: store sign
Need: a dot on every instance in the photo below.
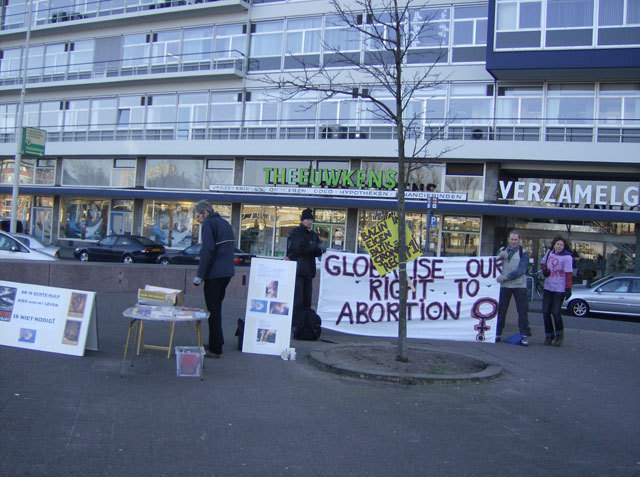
(587, 194)
(319, 191)
(359, 178)
(452, 298)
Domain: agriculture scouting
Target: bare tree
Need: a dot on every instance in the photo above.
(389, 30)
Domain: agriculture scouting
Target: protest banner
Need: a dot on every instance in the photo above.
(381, 242)
(267, 328)
(58, 320)
(455, 298)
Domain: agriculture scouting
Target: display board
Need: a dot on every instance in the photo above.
(453, 298)
(58, 320)
(269, 310)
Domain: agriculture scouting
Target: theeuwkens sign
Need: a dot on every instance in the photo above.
(455, 298)
(583, 194)
(318, 191)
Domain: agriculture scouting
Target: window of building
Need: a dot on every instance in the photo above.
(135, 50)
(470, 25)
(192, 114)
(165, 50)
(431, 27)
(197, 44)
(570, 104)
(172, 223)
(304, 35)
(124, 173)
(618, 12)
(471, 103)
(230, 41)
(32, 171)
(460, 236)
(10, 65)
(338, 37)
(218, 172)
(161, 115)
(569, 13)
(226, 109)
(519, 105)
(81, 57)
(619, 104)
(299, 109)
(76, 115)
(103, 113)
(87, 172)
(466, 179)
(83, 219)
(266, 41)
(174, 174)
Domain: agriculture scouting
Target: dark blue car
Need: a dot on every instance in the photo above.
(121, 248)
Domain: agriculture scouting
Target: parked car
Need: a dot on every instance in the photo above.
(5, 225)
(36, 244)
(615, 294)
(121, 248)
(13, 249)
(191, 256)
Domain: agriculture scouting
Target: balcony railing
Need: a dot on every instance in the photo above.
(80, 10)
(234, 130)
(230, 62)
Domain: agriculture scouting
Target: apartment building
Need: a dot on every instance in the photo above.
(150, 106)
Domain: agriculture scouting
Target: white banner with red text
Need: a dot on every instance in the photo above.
(451, 298)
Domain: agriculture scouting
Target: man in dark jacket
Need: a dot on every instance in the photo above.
(216, 269)
(303, 247)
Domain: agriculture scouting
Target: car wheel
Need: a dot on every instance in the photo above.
(164, 261)
(127, 259)
(579, 307)
(84, 256)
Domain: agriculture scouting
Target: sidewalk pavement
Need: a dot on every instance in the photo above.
(563, 411)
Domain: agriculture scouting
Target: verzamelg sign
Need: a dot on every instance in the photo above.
(33, 141)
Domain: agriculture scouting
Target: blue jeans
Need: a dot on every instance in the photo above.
(551, 303)
(522, 306)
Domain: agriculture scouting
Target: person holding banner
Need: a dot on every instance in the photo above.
(513, 282)
(303, 247)
(216, 269)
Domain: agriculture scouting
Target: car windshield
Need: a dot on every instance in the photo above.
(600, 281)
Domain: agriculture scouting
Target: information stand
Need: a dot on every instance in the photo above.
(138, 314)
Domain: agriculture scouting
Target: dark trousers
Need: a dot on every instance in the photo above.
(551, 304)
(522, 306)
(301, 297)
(214, 290)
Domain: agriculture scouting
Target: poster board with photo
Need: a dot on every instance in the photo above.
(267, 328)
(58, 320)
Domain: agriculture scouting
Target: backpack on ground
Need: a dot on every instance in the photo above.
(309, 326)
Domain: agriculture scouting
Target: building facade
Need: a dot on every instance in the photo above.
(151, 106)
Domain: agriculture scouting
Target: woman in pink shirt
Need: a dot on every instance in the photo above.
(557, 267)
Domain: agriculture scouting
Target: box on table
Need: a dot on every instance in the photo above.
(188, 361)
(152, 295)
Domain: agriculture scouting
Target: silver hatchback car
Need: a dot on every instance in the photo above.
(615, 294)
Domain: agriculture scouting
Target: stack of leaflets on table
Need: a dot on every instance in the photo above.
(162, 312)
(142, 311)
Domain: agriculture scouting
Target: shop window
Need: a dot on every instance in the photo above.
(460, 237)
(83, 219)
(41, 171)
(257, 229)
(174, 174)
(173, 223)
(99, 172)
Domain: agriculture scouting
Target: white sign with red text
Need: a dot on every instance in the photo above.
(455, 298)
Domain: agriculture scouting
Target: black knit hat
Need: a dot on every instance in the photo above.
(306, 214)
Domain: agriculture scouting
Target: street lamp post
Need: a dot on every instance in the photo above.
(19, 123)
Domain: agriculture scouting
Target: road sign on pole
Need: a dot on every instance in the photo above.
(33, 142)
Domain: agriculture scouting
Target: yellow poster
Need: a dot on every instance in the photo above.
(381, 241)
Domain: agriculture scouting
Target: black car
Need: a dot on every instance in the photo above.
(121, 248)
(191, 256)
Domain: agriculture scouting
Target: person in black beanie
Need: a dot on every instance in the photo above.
(303, 247)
